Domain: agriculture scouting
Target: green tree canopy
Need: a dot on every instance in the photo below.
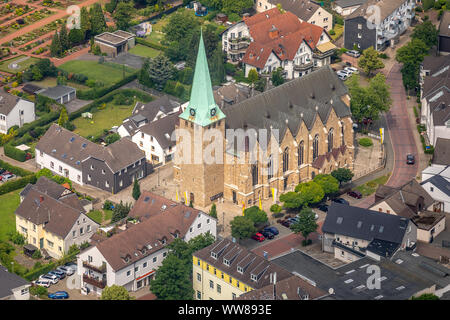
(306, 223)
(329, 184)
(115, 292)
(213, 211)
(122, 14)
(311, 191)
(342, 175)
(277, 77)
(242, 227)
(97, 19)
(160, 70)
(370, 61)
(63, 117)
(179, 26)
(253, 76)
(256, 215)
(292, 200)
(426, 32)
(136, 190)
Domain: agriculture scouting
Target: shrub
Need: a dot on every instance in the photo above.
(17, 238)
(108, 205)
(37, 254)
(13, 169)
(13, 185)
(38, 291)
(365, 142)
(332, 32)
(275, 208)
(15, 153)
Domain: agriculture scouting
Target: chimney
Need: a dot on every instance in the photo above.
(274, 33)
(41, 198)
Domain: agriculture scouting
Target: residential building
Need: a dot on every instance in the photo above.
(378, 23)
(305, 10)
(435, 97)
(441, 155)
(438, 187)
(314, 132)
(131, 257)
(346, 7)
(53, 222)
(412, 201)
(111, 168)
(14, 111)
(226, 270)
(404, 275)
(352, 233)
(115, 43)
(13, 287)
(273, 39)
(444, 34)
(61, 94)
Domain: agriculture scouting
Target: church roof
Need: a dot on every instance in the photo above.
(202, 108)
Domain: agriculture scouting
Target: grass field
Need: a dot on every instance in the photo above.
(144, 51)
(112, 115)
(108, 73)
(338, 29)
(51, 82)
(100, 216)
(22, 65)
(370, 187)
(155, 37)
(9, 203)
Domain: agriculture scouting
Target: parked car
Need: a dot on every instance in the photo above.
(267, 234)
(342, 77)
(42, 282)
(355, 194)
(352, 70)
(72, 266)
(51, 277)
(67, 270)
(340, 200)
(272, 230)
(353, 53)
(58, 295)
(258, 237)
(293, 220)
(348, 64)
(2, 171)
(323, 207)
(7, 177)
(61, 275)
(286, 223)
(410, 159)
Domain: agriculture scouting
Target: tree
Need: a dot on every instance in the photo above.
(292, 200)
(76, 37)
(411, 55)
(426, 32)
(115, 292)
(213, 211)
(64, 39)
(236, 6)
(275, 208)
(120, 211)
(342, 175)
(311, 191)
(136, 190)
(85, 23)
(370, 61)
(123, 14)
(63, 117)
(256, 215)
(253, 76)
(97, 19)
(277, 77)
(306, 223)
(172, 280)
(160, 70)
(242, 227)
(55, 46)
(329, 184)
(180, 24)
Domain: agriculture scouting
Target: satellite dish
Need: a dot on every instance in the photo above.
(331, 291)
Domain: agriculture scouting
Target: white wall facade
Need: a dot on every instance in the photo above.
(22, 113)
(438, 195)
(45, 161)
(145, 142)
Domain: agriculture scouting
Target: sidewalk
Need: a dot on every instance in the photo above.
(29, 165)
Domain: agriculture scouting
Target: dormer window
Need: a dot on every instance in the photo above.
(254, 277)
(240, 270)
(226, 262)
(213, 255)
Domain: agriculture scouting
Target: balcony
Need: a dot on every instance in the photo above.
(303, 66)
(239, 40)
(352, 249)
(101, 269)
(95, 282)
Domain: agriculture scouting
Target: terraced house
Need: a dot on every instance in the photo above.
(225, 271)
(52, 218)
(308, 119)
(111, 168)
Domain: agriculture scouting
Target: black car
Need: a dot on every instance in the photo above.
(267, 234)
(410, 159)
(340, 200)
(323, 207)
(2, 171)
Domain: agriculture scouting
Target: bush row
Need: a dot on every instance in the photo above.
(150, 44)
(14, 153)
(13, 185)
(42, 121)
(16, 170)
(34, 274)
(95, 93)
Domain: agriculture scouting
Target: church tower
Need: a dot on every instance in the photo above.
(200, 181)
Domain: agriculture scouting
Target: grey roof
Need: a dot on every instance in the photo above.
(440, 183)
(7, 102)
(386, 8)
(349, 282)
(46, 186)
(286, 106)
(9, 281)
(444, 25)
(162, 129)
(344, 220)
(56, 92)
(435, 63)
(304, 9)
(349, 3)
(441, 153)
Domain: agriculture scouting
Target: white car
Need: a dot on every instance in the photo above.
(352, 70)
(50, 277)
(42, 282)
(67, 270)
(344, 72)
(343, 77)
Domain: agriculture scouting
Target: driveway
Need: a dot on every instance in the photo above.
(76, 105)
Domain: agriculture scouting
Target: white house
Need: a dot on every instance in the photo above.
(438, 188)
(131, 258)
(13, 287)
(14, 111)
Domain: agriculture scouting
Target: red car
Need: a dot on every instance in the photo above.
(258, 237)
(355, 194)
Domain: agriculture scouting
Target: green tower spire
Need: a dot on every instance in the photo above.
(202, 109)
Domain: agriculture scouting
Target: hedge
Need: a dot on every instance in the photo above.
(365, 142)
(16, 170)
(14, 153)
(96, 93)
(13, 185)
(44, 120)
(32, 275)
(150, 44)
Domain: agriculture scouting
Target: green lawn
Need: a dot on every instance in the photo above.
(96, 215)
(155, 37)
(108, 215)
(4, 65)
(9, 203)
(144, 51)
(51, 82)
(108, 73)
(370, 187)
(112, 115)
(338, 29)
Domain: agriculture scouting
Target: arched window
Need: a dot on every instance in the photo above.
(330, 140)
(254, 174)
(342, 133)
(301, 151)
(315, 147)
(286, 160)
(269, 168)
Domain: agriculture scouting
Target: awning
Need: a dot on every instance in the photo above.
(325, 47)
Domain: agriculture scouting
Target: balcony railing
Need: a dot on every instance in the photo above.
(304, 66)
(95, 282)
(101, 269)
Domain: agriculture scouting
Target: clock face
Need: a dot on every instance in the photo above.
(213, 112)
(192, 112)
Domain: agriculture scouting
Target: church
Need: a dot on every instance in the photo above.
(310, 131)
